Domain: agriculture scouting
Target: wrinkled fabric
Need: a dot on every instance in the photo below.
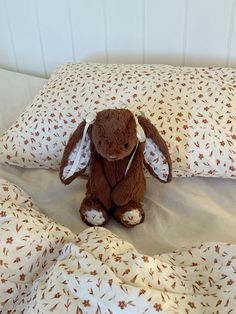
(46, 268)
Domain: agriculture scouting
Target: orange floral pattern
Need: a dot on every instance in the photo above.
(45, 268)
(193, 108)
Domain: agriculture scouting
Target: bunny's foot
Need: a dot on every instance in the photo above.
(130, 215)
(93, 213)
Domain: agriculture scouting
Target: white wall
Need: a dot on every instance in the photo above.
(37, 35)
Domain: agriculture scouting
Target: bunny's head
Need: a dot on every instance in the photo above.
(115, 134)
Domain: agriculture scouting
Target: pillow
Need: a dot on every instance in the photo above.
(193, 109)
(12, 103)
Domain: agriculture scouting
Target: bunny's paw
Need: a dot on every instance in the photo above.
(130, 215)
(93, 213)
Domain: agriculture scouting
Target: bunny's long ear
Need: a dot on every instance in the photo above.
(156, 154)
(76, 154)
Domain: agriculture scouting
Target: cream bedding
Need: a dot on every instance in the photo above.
(45, 268)
(185, 212)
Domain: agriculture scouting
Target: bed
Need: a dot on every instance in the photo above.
(188, 211)
(177, 261)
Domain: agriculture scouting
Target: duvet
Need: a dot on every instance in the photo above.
(45, 268)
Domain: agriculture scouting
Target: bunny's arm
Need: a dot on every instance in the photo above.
(99, 185)
(132, 186)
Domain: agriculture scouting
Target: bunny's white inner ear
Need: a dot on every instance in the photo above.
(140, 132)
(156, 160)
(84, 153)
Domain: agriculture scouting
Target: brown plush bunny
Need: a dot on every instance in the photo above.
(115, 144)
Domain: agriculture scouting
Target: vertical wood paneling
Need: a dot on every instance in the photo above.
(25, 36)
(232, 39)
(124, 30)
(164, 31)
(88, 30)
(38, 35)
(55, 32)
(208, 32)
(7, 54)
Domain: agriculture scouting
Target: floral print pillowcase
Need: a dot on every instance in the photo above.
(193, 109)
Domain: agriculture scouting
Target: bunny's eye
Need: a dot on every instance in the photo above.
(100, 143)
(126, 145)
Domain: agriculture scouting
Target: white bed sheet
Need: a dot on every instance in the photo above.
(187, 211)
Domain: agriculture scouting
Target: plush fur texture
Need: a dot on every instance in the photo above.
(113, 141)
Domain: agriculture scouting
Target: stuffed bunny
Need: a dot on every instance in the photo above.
(115, 144)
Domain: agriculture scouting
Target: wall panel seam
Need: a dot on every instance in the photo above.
(230, 36)
(71, 29)
(11, 36)
(40, 38)
(186, 11)
(143, 31)
(104, 9)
